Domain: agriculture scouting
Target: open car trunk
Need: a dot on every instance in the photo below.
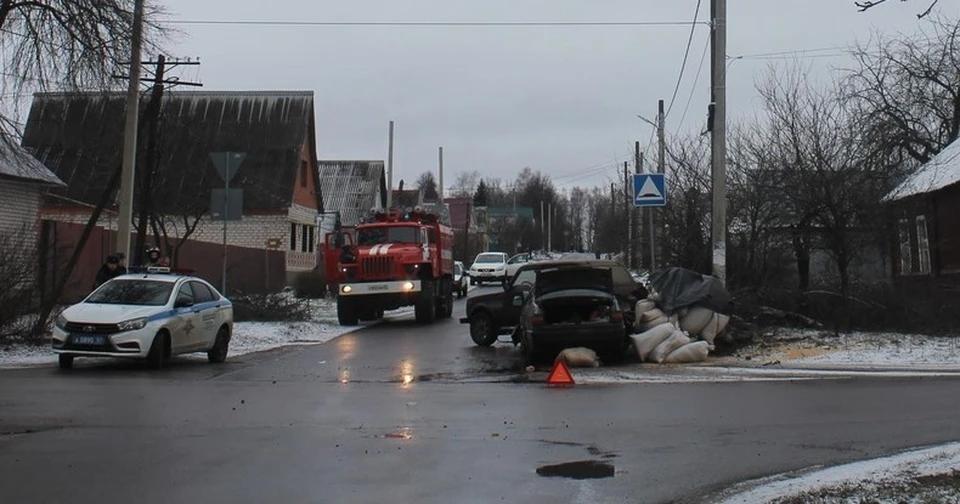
(576, 295)
(577, 307)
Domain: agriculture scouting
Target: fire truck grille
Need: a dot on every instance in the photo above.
(376, 267)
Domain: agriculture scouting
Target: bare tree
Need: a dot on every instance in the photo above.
(427, 183)
(68, 44)
(465, 183)
(864, 5)
(687, 214)
(907, 89)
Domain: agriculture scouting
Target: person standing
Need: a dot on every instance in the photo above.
(110, 270)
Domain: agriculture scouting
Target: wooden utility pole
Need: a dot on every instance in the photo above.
(719, 138)
(127, 172)
(627, 201)
(638, 250)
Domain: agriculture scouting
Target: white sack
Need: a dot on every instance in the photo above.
(646, 326)
(642, 307)
(691, 352)
(652, 315)
(716, 326)
(683, 311)
(675, 319)
(675, 341)
(645, 343)
(579, 357)
(697, 318)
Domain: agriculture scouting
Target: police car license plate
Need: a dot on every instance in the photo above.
(89, 340)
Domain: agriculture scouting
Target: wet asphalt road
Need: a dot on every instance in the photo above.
(405, 413)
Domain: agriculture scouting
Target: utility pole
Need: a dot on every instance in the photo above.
(440, 209)
(550, 211)
(628, 214)
(543, 225)
(719, 138)
(390, 170)
(661, 168)
(144, 180)
(125, 218)
(638, 169)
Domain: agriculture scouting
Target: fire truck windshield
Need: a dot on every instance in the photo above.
(387, 234)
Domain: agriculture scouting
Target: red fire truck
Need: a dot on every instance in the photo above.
(400, 258)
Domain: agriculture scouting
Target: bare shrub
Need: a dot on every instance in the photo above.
(269, 308)
(18, 278)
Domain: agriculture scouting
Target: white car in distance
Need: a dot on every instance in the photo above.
(514, 263)
(488, 267)
(150, 316)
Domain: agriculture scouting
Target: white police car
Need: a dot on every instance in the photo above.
(150, 315)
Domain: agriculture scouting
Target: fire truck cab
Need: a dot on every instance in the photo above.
(398, 258)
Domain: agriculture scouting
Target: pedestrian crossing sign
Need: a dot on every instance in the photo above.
(649, 190)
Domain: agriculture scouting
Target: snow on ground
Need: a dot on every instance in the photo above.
(857, 350)
(918, 476)
(248, 337)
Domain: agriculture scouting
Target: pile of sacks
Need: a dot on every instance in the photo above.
(684, 336)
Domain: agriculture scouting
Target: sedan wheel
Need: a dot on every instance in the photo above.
(482, 329)
(218, 353)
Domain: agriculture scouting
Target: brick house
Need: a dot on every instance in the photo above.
(79, 136)
(23, 181)
(925, 224)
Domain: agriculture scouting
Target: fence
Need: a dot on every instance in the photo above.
(248, 270)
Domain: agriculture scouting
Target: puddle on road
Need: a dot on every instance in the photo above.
(582, 469)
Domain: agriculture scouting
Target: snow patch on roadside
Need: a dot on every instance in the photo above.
(861, 475)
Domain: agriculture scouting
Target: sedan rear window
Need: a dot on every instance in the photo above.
(132, 292)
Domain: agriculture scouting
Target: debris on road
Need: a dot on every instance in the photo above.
(681, 318)
(578, 357)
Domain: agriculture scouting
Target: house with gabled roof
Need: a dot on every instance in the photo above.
(23, 182)
(926, 222)
(352, 188)
(79, 137)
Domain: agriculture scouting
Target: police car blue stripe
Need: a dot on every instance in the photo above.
(197, 307)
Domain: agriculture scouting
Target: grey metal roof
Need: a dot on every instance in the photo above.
(79, 136)
(16, 162)
(350, 187)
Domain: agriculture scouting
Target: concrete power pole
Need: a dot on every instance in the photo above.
(627, 203)
(440, 207)
(719, 139)
(390, 170)
(549, 227)
(128, 171)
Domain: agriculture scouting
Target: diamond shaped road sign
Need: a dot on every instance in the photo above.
(227, 163)
(649, 190)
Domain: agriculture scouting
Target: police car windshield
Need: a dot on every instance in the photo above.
(132, 292)
(385, 234)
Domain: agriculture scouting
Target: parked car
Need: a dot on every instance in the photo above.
(494, 314)
(487, 267)
(459, 279)
(571, 306)
(515, 262)
(149, 316)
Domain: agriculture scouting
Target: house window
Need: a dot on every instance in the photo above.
(906, 258)
(293, 236)
(923, 245)
(303, 240)
(311, 239)
(303, 174)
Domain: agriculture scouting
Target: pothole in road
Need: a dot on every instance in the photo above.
(581, 469)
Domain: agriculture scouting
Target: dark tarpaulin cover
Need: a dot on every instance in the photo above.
(680, 287)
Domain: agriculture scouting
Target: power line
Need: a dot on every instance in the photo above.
(788, 53)
(686, 54)
(425, 23)
(693, 89)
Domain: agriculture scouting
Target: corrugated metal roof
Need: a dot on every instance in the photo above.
(941, 171)
(15, 162)
(350, 187)
(79, 136)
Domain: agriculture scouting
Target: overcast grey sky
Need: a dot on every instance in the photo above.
(560, 99)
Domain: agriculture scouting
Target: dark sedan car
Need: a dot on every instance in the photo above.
(570, 306)
(494, 314)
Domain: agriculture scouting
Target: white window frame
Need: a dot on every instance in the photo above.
(923, 245)
(906, 250)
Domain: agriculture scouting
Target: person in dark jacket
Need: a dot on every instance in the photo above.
(110, 269)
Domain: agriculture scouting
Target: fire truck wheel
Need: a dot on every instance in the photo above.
(426, 308)
(347, 312)
(446, 309)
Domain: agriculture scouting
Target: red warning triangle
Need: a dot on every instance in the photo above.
(560, 374)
